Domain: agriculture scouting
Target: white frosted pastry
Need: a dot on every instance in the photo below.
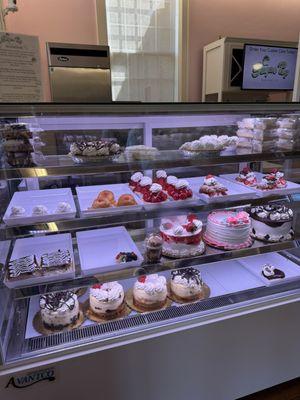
(161, 174)
(17, 211)
(145, 181)
(40, 210)
(136, 177)
(171, 180)
(59, 310)
(187, 284)
(107, 299)
(150, 292)
(63, 207)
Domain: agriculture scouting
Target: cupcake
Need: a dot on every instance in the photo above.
(153, 244)
(150, 292)
(187, 285)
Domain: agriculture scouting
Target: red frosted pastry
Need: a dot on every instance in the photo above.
(181, 190)
(155, 194)
(134, 181)
(161, 178)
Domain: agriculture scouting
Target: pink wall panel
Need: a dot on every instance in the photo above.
(69, 21)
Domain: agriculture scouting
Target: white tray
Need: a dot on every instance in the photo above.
(291, 186)
(98, 249)
(50, 198)
(254, 265)
(235, 191)
(38, 246)
(87, 194)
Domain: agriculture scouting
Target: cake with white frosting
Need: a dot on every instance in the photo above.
(59, 310)
(272, 223)
(209, 143)
(107, 299)
(212, 188)
(150, 292)
(228, 230)
(182, 236)
(187, 284)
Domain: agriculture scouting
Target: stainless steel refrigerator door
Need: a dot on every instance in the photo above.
(80, 84)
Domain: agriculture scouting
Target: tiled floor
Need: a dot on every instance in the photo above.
(286, 391)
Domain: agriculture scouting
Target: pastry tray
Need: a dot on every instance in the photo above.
(254, 265)
(291, 186)
(98, 249)
(87, 194)
(49, 198)
(40, 245)
(235, 191)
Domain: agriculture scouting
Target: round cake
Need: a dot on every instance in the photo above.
(187, 285)
(228, 230)
(59, 310)
(272, 223)
(182, 236)
(150, 292)
(107, 299)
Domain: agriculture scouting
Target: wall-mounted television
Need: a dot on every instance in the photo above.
(269, 67)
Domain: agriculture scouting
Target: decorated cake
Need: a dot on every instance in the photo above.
(187, 284)
(181, 190)
(272, 223)
(228, 230)
(247, 177)
(59, 310)
(273, 180)
(182, 236)
(212, 188)
(95, 148)
(56, 259)
(107, 299)
(22, 267)
(150, 292)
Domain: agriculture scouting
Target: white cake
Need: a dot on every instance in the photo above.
(107, 299)
(150, 292)
(228, 230)
(272, 223)
(182, 236)
(59, 310)
(186, 284)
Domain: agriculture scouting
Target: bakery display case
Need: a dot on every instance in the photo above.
(123, 221)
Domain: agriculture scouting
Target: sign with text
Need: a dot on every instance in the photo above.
(269, 68)
(20, 68)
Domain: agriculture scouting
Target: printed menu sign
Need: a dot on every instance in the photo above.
(20, 68)
(268, 67)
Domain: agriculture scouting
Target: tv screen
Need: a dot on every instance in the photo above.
(269, 67)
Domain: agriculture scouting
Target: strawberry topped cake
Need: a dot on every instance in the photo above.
(273, 180)
(150, 292)
(155, 194)
(212, 188)
(247, 177)
(107, 299)
(181, 190)
(161, 178)
(182, 236)
(134, 181)
(228, 230)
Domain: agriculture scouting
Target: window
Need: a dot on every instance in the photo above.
(143, 39)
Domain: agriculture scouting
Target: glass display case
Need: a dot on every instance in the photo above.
(191, 208)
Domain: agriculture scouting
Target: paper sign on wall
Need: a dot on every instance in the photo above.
(20, 68)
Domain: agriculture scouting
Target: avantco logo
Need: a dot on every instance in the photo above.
(31, 378)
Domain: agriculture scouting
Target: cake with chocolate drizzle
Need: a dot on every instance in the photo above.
(95, 148)
(272, 223)
(187, 284)
(59, 310)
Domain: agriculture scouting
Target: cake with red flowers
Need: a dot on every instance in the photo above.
(228, 230)
(181, 190)
(150, 292)
(134, 181)
(161, 178)
(247, 177)
(107, 299)
(273, 180)
(212, 188)
(155, 194)
(182, 236)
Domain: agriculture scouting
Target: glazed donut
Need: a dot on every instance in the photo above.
(102, 203)
(126, 200)
(106, 195)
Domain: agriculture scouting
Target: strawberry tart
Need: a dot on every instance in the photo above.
(247, 177)
(181, 190)
(107, 299)
(228, 230)
(155, 194)
(212, 188)
(182, 236)
(150, 292)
